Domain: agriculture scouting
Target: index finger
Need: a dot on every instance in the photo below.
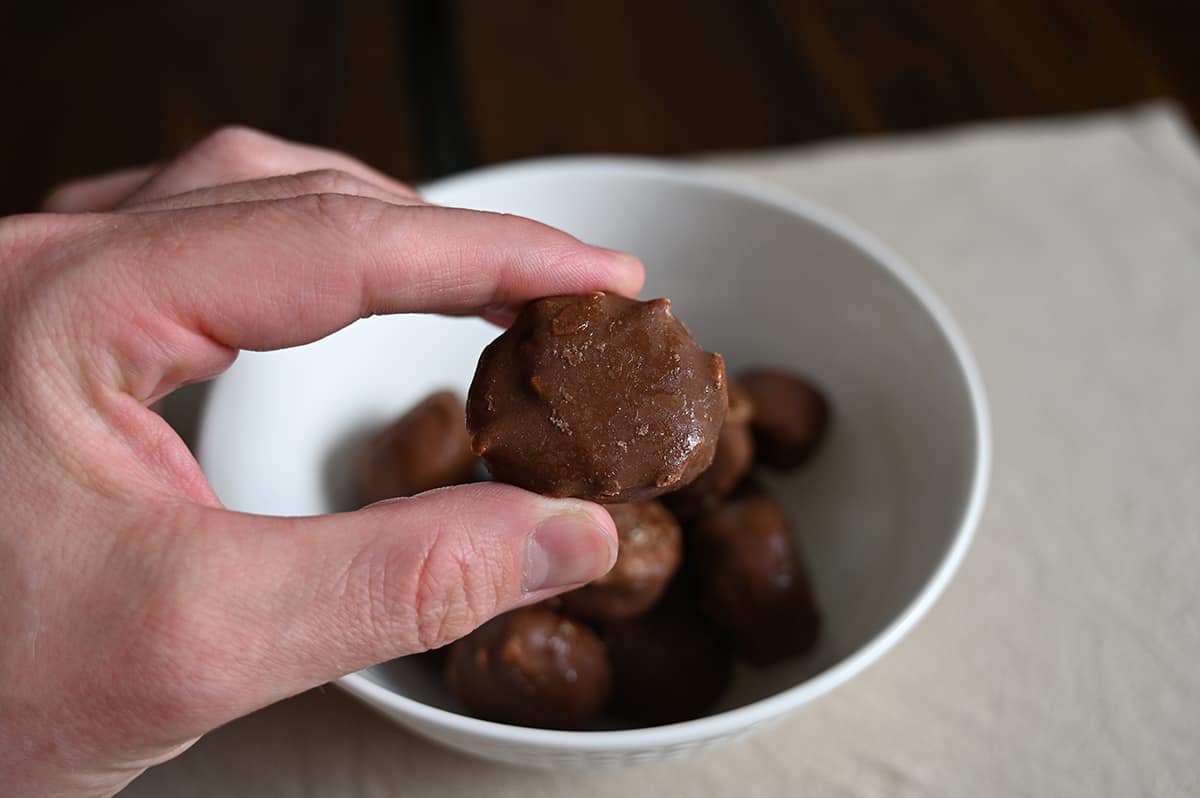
(278, 273)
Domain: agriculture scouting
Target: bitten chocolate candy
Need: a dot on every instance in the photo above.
(426, 448)
(531, 667)
(598, 397)
(731, 462)
(668, 665)
(751, 581)
(790, 416)
(649, 553)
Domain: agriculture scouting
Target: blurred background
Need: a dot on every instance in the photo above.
(421, 88)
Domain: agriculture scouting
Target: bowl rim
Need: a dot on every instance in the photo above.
(732, 721)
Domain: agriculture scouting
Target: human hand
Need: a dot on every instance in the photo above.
(135, 612)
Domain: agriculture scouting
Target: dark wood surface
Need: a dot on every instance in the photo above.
(425, 87)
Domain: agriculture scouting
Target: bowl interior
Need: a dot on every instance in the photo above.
(875, 513)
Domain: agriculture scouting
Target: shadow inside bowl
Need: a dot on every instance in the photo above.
(337, 469)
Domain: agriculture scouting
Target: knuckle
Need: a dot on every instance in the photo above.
(329, 181)
(145, 240)
(447, 592)
(545, 247)
(349, 216)
(440, 601)
(355, 166)
(559, 256)
(236, 146)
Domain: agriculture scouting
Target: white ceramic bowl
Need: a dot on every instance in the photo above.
(884, 514)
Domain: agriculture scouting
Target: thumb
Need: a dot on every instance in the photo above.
(278, 605)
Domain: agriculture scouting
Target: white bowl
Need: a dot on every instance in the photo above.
(884, 514)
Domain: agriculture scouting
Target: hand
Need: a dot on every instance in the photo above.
(135, 612)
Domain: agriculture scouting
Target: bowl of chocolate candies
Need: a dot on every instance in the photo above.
(787, 429)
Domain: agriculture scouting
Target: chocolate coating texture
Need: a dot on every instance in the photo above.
(668, 665)
(426, 448)
(650, 551)
(598, 397)
(790, 416)
(751, 580)
(531, 667)
(731, 461)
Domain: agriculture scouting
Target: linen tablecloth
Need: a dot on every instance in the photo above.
(1064, 660)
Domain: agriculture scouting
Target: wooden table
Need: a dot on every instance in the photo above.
(424, 87)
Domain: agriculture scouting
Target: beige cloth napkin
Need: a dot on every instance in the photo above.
(1064, 660)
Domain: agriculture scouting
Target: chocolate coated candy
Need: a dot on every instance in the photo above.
(790, 416)
(649, 553)
(598, 397)
(426, 448)
(731, 462)
(751, 581)
(531, 667)
(668, 665)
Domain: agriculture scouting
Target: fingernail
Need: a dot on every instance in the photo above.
(567, 549)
